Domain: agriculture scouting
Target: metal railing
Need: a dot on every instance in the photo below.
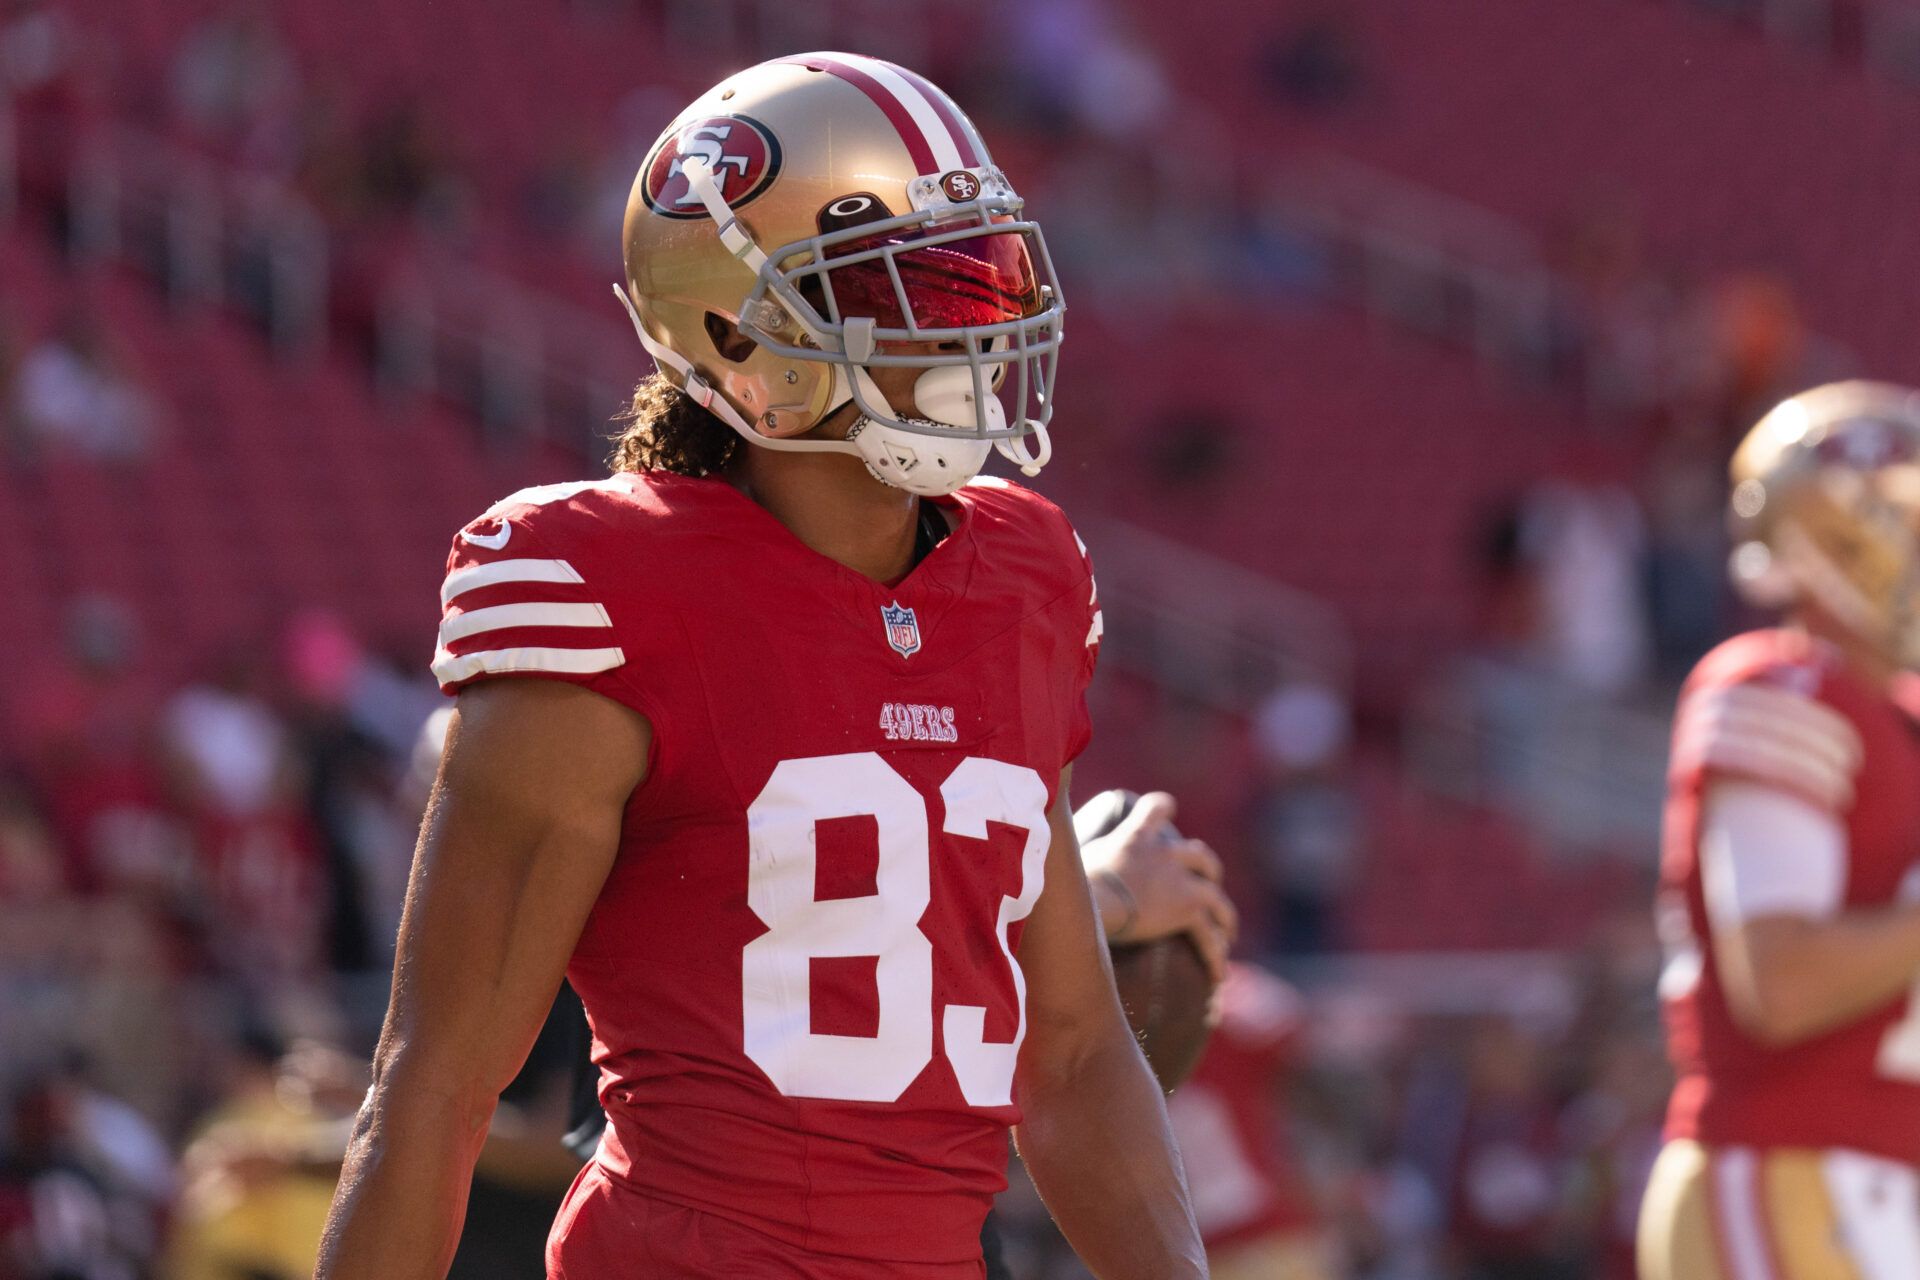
(1423, 261)
(1451, 270)
(527, 365)
(1207, 629)
(1584, 770)
(208, 234)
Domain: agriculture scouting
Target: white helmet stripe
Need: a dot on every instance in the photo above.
(946, 156)
(933, 131)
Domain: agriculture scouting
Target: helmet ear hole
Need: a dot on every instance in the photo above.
(733, 345)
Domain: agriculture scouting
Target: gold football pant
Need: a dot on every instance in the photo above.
(1293, 1255)
(1778, 1213)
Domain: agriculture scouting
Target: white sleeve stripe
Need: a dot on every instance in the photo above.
(1783, 758)
(502, 616)
(1776, 764)
(1098, 629)
(475, 576)
(1765, 852)
(449, 669)
(1730, 724)
(1817, 717)
(1817, 722)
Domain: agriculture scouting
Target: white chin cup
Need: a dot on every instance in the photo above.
(928, 465)
(946, 395)
(931, 463)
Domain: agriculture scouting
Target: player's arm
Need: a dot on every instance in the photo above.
(1095, 1136)
(519, 837)
(1793, 964)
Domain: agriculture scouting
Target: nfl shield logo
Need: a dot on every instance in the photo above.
(903, 629)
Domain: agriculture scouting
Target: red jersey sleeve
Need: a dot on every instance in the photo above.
(1776, 719)
(1081, 730)
(513, 604)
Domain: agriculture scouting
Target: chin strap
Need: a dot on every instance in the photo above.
(1014, 449)
(699, 176)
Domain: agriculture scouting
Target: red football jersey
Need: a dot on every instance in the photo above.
(801, 972)
(1778, 708)
(1230, 1121)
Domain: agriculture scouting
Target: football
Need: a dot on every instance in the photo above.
(1163, 984)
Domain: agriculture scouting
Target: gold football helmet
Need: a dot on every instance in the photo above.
(1826, 507)
(814, 217)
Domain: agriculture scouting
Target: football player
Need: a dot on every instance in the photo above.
(765, 742)
(1788, 901)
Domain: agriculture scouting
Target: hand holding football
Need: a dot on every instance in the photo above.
(1164, 981)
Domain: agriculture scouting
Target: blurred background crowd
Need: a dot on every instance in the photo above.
(1408, 345)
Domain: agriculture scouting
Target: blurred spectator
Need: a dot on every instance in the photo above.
(1191, 448)
(357, 721)
(556, 191)
(1583, 541)
(1683, 492)
(81, 718)
(238, 776)
(234, 754)
(1306, 821)
(1257, 1215)
(125, 1151)
(31, 867)
(1075, 59)
(1615, 1125)
(403, 166)
(59, 1220)
(12, 431)
(233, 70)
(1631, 313)
(1511, 1187)
(1759, 344)
(260, 1169)
(1317, 64)
(71, 394)
(40, 78)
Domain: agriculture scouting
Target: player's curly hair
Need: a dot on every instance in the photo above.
(664, 430)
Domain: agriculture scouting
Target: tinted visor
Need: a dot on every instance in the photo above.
(981, 278)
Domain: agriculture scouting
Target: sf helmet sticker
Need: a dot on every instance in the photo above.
(742, 153)
(960, 186)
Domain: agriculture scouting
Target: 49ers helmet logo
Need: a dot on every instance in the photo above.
(742, 153)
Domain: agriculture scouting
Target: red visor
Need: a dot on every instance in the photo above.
(977, 280)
